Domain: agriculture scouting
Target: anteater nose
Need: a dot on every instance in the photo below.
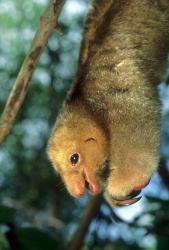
(78, 192)
(94, 189)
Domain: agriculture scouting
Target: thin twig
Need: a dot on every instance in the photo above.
(48, 23)
(12, 238)
(92, 209)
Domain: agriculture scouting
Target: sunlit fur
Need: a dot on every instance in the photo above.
(114, 99)
(74, 132)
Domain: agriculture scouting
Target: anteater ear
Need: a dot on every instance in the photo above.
(90, 139)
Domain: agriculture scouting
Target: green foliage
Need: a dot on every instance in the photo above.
(7, 215)
(33, 239)
(27, 238)
(162, 243)
(3, 242)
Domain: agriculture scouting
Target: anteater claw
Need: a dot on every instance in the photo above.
(128, 200)
(121, 203)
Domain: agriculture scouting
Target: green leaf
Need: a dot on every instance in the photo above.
(33, 239)
(3, 242)
(162, 243)
(7, 214)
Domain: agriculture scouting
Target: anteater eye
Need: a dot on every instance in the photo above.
(74, 158)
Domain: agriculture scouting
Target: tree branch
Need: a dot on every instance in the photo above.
(92, 209)
(47, 24)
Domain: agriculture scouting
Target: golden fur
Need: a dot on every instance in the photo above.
(114, 100)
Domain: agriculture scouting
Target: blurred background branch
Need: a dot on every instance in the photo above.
(47, 24)
(91, 211)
